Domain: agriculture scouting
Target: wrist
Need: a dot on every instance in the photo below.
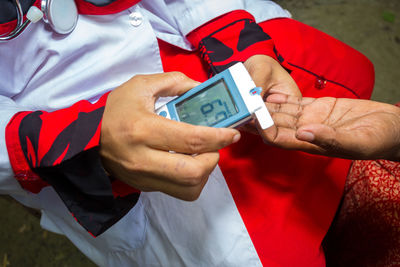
(230, 38)
(396, 152)
(393, 133)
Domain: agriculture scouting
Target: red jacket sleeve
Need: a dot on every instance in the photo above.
(61, 149)
(231, 38)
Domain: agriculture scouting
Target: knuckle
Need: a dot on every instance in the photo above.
(178, 76)
(275, 117)
(276, 108)
(137, 132)
(194, 177)
(137, 83)
(195, 143)
(133, 166)
(139, 78)
(298, 112)
(298, 99)
(273, 137)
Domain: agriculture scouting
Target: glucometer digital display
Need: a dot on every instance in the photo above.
(228, 99)
(209, 106)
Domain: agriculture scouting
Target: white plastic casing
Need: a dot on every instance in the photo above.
(254, 102)
(34, 14)
(163, 111)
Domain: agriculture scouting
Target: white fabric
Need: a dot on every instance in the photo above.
(42, 70)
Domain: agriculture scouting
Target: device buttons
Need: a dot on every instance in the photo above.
(163, 113)
(136, 19)
(256, 91)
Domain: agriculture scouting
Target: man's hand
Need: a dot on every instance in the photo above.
(348, 128)
(274, 79)
(136, 142)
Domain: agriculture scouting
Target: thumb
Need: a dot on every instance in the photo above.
(325, 137)
(173, 84)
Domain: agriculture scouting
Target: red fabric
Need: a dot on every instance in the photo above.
(86, 8)
(319, 50)
(227, 29)
(366, 231)
(120, 189)
(22, 171)
(53, 123)
(288, 199)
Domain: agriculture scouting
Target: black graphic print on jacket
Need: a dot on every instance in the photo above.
(231, 38)
(61, 148)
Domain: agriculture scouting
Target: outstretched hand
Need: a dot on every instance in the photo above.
(348, 128)
(268, 74)
(136, 143)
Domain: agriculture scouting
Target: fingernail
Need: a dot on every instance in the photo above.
(277, 98)
(305, 136)
(276, 91)
(236, 138)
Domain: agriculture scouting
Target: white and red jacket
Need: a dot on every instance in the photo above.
(256, 211)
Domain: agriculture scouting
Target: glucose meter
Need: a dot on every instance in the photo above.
(229, 99)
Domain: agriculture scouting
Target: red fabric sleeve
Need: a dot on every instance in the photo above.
(231, 38)
(61, 149)
(37, 139)
(22, 171)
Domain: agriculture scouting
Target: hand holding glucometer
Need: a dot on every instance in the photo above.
(229, 99)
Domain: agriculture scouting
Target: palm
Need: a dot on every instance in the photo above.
(342, 127)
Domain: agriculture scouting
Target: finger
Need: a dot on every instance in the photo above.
(188, 193)
(181, 169)
(277, 98)
(288, 99)
(290, 109)
(271, 76)
(282, 83)
(333, 142)
(165, 84)
(286, 138)
(176, 83)
(250, 127)
(169, 135)
(178, 175)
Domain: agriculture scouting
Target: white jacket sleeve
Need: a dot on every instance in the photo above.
(8, 184)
